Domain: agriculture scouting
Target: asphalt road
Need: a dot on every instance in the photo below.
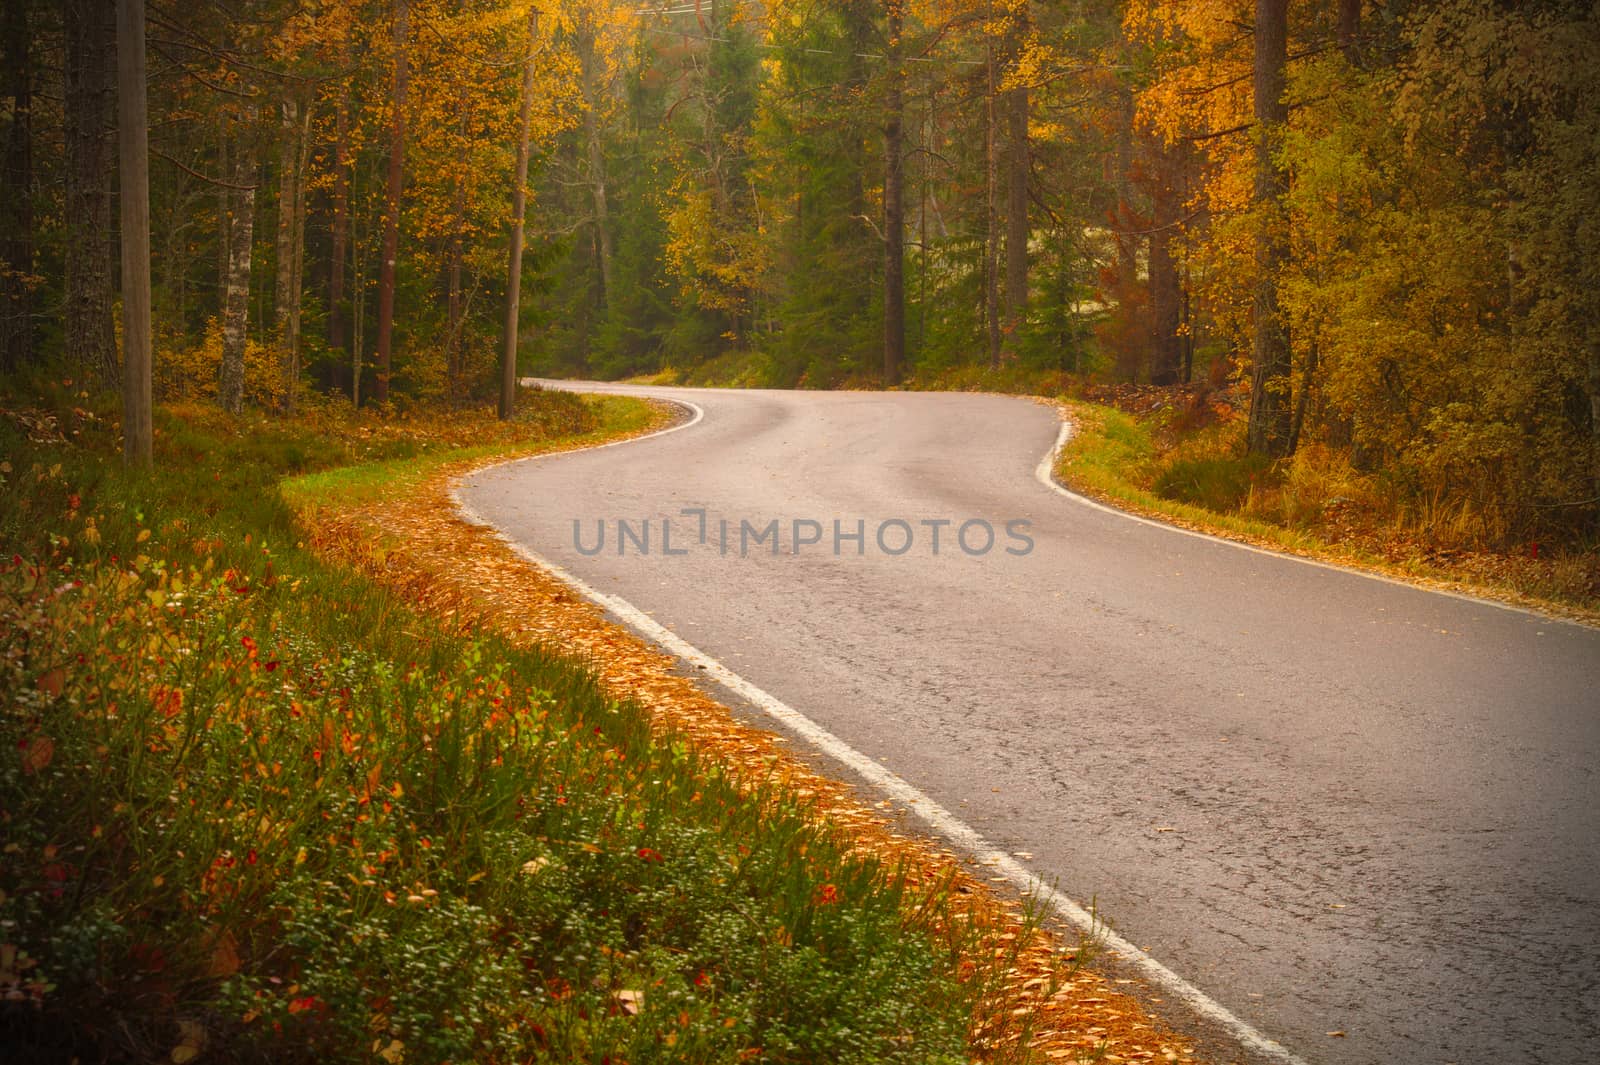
(1332, 803)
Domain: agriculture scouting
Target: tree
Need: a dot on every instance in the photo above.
(519, 200)
(894, 253)
(1018, 165)
(1269, 400)
(134, 159)
(17, 277)
(238, 238)
(391, 202)
(90, 338)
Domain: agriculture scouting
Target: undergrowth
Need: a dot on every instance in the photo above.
(1195, 468)
(255, 808)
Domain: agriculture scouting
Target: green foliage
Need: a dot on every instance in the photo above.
(1423, 280)
(1222, 484)
(322, 827)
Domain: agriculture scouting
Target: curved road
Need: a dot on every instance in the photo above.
(1330, 802)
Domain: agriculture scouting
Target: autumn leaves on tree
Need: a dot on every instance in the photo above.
(1372, 227)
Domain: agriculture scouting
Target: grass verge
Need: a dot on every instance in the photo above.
(258, 807)
(1313, 505)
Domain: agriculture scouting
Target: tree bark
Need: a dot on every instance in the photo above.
(339, 237)
(1350, 30)
(991, 209)
(519, 203)
(1269, 428)
(297, 242)
(90, 336)
(1018, 230)
(894, 252)
(1166, 350)
(597, 166)
(1594, 415)
(391, 220)
(283, 259)
(16, 194)
(133, 131)
(239, 238)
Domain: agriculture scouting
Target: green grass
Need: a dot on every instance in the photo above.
(607, 417)
(1203, 478)
(255, 806)
(1113, 455)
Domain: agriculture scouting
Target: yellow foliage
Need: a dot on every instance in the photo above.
(187, 373)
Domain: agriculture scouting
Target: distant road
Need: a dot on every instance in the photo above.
(1330, 802)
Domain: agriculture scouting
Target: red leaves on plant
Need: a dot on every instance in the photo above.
(168, 701)
(648, 855)
(52, 682)
(303, 1003)
(37, 753)
(827, 895)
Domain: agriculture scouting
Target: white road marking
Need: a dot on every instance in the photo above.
(1045, 472)
(942, 822)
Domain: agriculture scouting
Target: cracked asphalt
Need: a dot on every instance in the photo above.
(1332, 803)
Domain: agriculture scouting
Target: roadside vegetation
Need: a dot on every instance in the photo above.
(256, 807)
(1181, 455)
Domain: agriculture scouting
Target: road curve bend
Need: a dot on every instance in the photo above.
(1331, 803)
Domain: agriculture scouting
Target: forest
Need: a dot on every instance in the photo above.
(304, 760)
(1367, 223)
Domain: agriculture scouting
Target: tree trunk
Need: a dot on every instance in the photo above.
(297, 244)
(1269, 401)
(239, 238)
(519, 202)
(1594, 416)
(1303, 405)
(991, 210)
(90, 336)
(597, 174)
(894, 251)
(453, 361)
(358, 319)
(1350, 30)
(1017, 171)
(391, 205)
(339, 237)
(133, 131)
(16, 194)
(283, 257)
(1122, 213)
(1166, 349)
(283, 247)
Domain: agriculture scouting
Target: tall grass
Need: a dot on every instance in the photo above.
(255, 808)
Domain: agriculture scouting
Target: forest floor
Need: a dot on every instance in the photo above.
(354, 793)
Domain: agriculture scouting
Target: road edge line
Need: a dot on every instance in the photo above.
(1045, 474)
(944, 824)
